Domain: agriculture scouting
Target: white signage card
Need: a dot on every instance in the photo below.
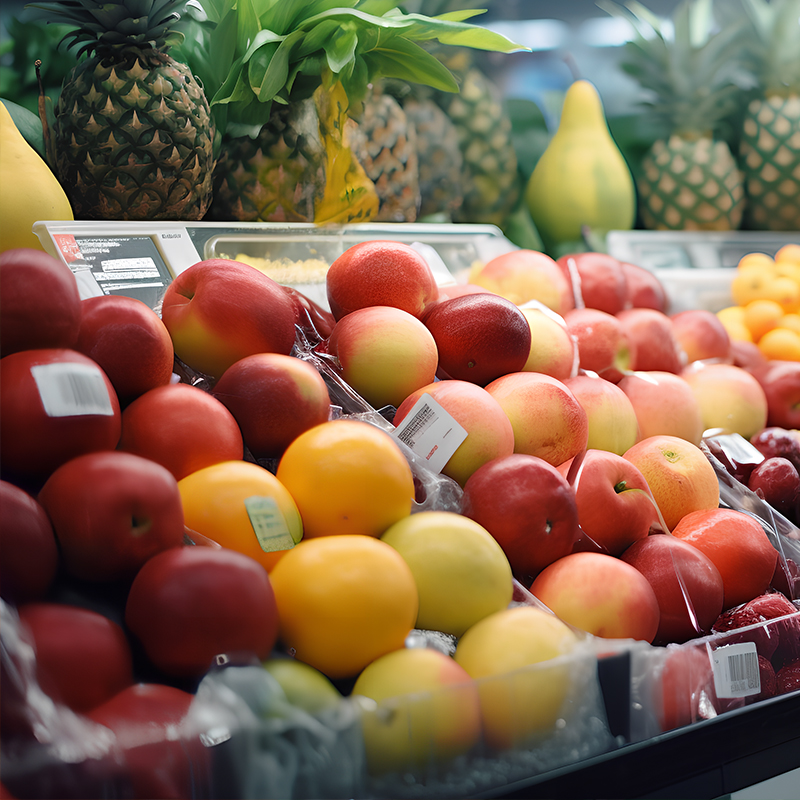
(68, 389)
(430, 432)
(268, 523)
(735, 667)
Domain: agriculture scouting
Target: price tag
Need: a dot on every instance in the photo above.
(72, 390)
(735, 668)
(268, 524)
(430, 432)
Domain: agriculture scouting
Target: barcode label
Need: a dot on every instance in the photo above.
(430, 432)
(72, 390)
(268, 524)
(736, 672)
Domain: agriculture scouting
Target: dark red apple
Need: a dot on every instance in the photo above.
(82, 657)
(189, 604)
(780, 381)
(111, 512)
(687, 691)
(778, 441)
(687, 585)
(788, 678)
(527, 506)
(735, 453)
(55, 404)
(645, 290)
(39, 302)
(654, 341)
(598, 279)
(777, 481)
(28, 544)
(767, 680)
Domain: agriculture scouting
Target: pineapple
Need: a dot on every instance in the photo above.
(133, 132)
(769, 148)
(287, 53)
(689, 179)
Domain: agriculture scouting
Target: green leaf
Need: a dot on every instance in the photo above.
(28, 124)
(341, 48)
(408, 61)
(277, 70)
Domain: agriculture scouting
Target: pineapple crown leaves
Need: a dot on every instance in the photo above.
(103, 27)
(690, 67)
(280, 51)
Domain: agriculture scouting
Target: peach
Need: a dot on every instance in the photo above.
(664, 404)
(653, 338)
(553, 349)
(729, 398)
(600, 594)
(129, 341)
(380, 273)
(182, 428)
(219, 311)
(273, 398)
(546, 417)
(679, 475)
(489, 431)
(599, 280)
(525, 275)
(702, 335)
(385, 353)
(479, 337)
(604, 345)
(39, 302)
(610, 414)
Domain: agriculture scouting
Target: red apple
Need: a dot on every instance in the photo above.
(664, 404)
(777, 441)
(546, 417)
(527, 506)
(747, 355)
(615, 505)
(129, 341)
(702, 335)
(613, 425)
(181, 427)
(645, 290)
(273, 398)
(219, 311)
(554, 350)
(30, 554)
(385, 353)
(524, 275)
(687, 585)
(654, 342)
(604, 346)
(780, 381)
(684, 687)
(39, 302)
(489, 431)
(600, 594)
(599, 280)
(82, 657)
(55, 404)
(315, 321)
(189, 604)
(149, 723)
(380, 273)
(479, 337)
(111, 512)
(777, 481)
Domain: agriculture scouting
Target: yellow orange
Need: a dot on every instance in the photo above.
(343, 601)
(785, 291)
(760, 261)
(789, 252)
(780, 344)
(790, 321)
(762, 315)
(748, 285)
(788, 268)
(732, 318)
(347, 476)
(679, 475)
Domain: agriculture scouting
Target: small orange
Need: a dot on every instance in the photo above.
(761, 261)
(347, 476)
(344, 601)
(738, 546)
(762, 315)
(748, 285)
(780, 344)
(785, 291)
(790, 321)
(788, 253)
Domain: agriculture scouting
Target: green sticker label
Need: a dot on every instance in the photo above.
(268, 524)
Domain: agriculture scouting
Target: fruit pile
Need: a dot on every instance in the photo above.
(245, 477)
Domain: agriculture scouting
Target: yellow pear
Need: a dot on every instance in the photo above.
(582, 177)
(30, 191)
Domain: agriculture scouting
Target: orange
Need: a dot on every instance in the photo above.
(679, 475)
(738, 546)
(781, 344)
(732, 318)
(760, 261)
(790, 321)
(785, 291)
(788, 253)
(347, 476)
(244, 507)
(749, 284)
(762, 315)
(343, 601)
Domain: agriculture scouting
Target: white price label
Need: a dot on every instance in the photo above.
(268, 524)
(430, 432)
(72, 390)
(735, 667)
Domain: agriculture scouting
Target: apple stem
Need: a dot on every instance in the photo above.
(620, 487)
